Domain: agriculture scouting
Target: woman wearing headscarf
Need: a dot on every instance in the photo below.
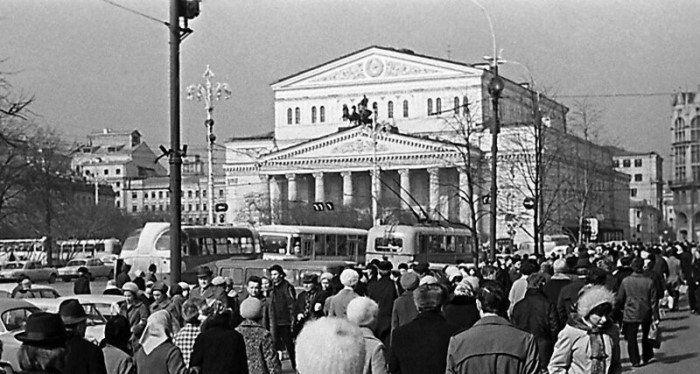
(363, 312)
(462, 310)
(158, 354)
(260, 349)
(590, 343)
(115, 347)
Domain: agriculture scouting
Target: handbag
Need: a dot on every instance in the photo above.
(655, 334)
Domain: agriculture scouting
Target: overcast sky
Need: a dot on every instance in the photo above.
(92, 65)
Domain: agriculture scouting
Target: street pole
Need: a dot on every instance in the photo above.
(175, 159)
(495, 89)
(539, 202)
(206, 92)
(375, 169)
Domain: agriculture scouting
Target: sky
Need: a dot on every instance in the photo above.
(91, 65)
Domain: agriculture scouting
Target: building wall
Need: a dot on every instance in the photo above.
(685, 121)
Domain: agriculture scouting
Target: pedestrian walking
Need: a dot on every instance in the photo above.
(420, 346)
(559, 280)
(404, 310)
(161, 301)
(640, 308)
(330, 346)
(338, 303)
(383, 291)
(194, 311)
(135, 312)
(309, 303)
(461, 310)
(589, 344)
(115, 347)
(254, 289)
(206, 290)
(493, 345)
(83, 357)
(259, 346)
(219, 348)
(123, 276)
(283, 297)
(157, 353)
(517, 291)
(363, 312)
(43, 349)
(81, 286)
(673, 281)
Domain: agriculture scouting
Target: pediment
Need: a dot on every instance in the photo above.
(376, 65)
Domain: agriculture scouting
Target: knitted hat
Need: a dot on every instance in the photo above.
(131, 287)
(349, 277)
(251, 308)
(591, 297)
(362, 311)
(160, 286)
(328, 276)
(409, 281)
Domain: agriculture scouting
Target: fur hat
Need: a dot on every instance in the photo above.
(591, 297)
(429, 297)
(409, 281)
(330, 345)
(452, 272)
(349, 277)
(362, 311)
(560, 266)
(251, 308)
(428, 279)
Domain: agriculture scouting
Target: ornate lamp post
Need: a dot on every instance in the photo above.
(206, 92)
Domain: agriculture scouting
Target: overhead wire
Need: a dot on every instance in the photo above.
(136, 12)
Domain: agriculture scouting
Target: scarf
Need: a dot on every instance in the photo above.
(597, 342)
(157, 331)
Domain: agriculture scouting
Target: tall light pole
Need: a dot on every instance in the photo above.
(207, 92)
(375, 169)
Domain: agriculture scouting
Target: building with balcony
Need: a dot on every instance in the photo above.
(685, 151)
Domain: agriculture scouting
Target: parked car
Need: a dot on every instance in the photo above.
(38, 291)
(13, 316)
(95, 267)
(34, 270)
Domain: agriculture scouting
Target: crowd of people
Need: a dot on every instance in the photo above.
(515, 314)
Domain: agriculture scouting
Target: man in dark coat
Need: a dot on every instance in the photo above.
(123, 277)
(83, 357)
(686, 259)
(219, 348)
(383, 291)
(309, 303)
(283, 298)
(420, 346)
(404, 310)
(81, 286)
(559, 280)
(206, 290)
(493, 345)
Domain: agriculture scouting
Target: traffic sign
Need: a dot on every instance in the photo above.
(529, 203)
(220, 207)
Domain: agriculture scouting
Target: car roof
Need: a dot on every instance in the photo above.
(35, 287)
(93, 299)
(9, 304)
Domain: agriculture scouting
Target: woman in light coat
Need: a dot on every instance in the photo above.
(363, 311)
(590, 343)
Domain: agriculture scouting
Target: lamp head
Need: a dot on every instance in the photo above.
(496, 86)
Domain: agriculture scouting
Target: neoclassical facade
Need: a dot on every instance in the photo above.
(686, 164)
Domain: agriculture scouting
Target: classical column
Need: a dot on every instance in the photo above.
(405, 188)
(465, 195)
(320, 188)
(434, 196)
(274, 198)
(347, 188)
(376, 187)
(292, 187)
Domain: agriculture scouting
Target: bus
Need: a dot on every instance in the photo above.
(66, 250)
(199, 245)
(283, 242)
(23, 249)
(436, 245)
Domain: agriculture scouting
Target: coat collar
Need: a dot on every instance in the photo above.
(493, 320)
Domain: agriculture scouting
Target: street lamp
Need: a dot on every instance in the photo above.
(495, 88)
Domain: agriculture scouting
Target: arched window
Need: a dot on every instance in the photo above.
(465, 106)
(313, 114)
(405, 109)
(297, 115)
(322, 114)
(679, 130)
(289, 116)
(695, 128)
(390, 109)
(456, 106)
(438, 106)
(430, 107)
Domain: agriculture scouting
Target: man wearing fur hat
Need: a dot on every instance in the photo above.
(383, 291)
(337, 305)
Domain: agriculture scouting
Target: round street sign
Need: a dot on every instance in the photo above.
(529, 203)
(221, 207)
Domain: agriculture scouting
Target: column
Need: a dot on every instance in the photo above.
(405, 188)
(434, 196)
(376, 187)
(347, 188)
(274, 199)
(292, 188)
(320, 188)
(465, 196)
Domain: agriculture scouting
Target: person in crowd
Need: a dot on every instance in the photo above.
(23, 290)
(81, 285)
(219, 348)
(383, 291)
(233, 299)
(259, 347)
(640, 307)
(554, 285)
(673, 281)
(330, 346)
(660, 263)
(161, 301)
(517, 291)
(325, 280)
(502, 348)
(152, 275)
(536, 315)
(205, 289)
(83, 356)
(420, 346)
(123, 276)
(185, 290)
(140, 280)
(569, 294)
(135, 311)
(254, 289)
(623, 271)
(695, 280)
(363, 312)
(115, 347)
(112, 289)
(147, 294)
(157, 353)
(685, 256)
(422, 269)
(461, 310)
(176, 299)
(266, 286)
(43, 349)
(309, 303)
(403, 268)
(404, 310)
(395, 277)
(650, 272)
(337, 304)
(589, 344)
(194, 312)
(282, 300)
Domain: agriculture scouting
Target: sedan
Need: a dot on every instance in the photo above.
(13, 316)
(95, 267)
(34, 270)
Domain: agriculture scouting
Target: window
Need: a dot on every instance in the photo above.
(160, 207)
(160, 194)
(196, 193)
(695, 129)
(637, 162)
(679, 130)
(322, 114)
(639, 228)
(465, 106)
(616, 163)
(430, 107)
(153, 207)
(118, 184)
(189, 207)
(405, 109)
(153, 194)
(204, 207)
(221, 193)
(145, 208)
(633, 192)
(119, 204)
(289, 116)
(456, 104)
(639, 214)
(297, 115)
(189, 194)
(196, 207)
(637, 177)
(204, 193)
(390, 109)
(313, 114)
(438, 106)
(106, 171)
(134, 195)
(626, 163)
